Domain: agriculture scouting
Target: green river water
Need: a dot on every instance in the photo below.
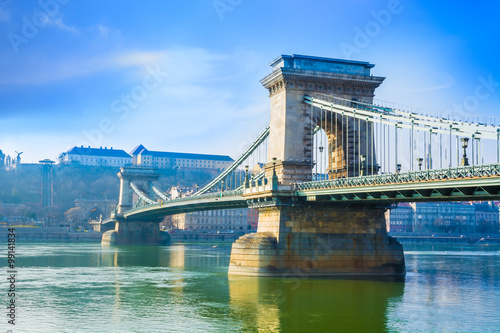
(83, 287)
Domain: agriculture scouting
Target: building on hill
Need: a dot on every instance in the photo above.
(96, 157)
(142, 157)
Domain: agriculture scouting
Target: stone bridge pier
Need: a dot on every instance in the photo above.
(304, 237)
(127, 230)
(307, 239)
(135, 233)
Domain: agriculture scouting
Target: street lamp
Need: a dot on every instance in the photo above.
(465, 143)
(320, 161)
(398, 167)
(362, 159)
(274, 180)
(420, 160)
(247, 179)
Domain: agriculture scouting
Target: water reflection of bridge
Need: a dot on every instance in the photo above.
(195, 275)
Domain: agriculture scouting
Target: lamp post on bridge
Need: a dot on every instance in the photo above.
(420, 160)
(362, 159)
(274, 180)
(465, 160)
(247, 180)
(321, 148)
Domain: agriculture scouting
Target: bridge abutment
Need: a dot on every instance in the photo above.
(317, 240)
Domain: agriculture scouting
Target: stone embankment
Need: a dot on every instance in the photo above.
(477, 239)
(51, 234)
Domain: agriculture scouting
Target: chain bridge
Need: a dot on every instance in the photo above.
(323, 173)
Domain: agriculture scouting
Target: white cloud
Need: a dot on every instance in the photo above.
(58, 23)
(63, 26)
(206, 103)
(183, 64)
(31, 73)
(138, 58)
(103, 30)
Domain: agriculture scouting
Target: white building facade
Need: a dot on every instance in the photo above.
(142, 157)
(212, 220)
(96, 157)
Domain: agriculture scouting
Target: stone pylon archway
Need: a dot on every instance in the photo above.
(293, 121)
(348, 141)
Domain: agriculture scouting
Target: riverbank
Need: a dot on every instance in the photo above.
(53, 234)
(476, 239)
(50, 234)
(197, 237)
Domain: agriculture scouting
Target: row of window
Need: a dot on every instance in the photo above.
(109, 161)
(184, 161)
(216, 227)
(206, 221)
(227, 212)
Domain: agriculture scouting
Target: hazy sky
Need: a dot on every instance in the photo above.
(184, 75)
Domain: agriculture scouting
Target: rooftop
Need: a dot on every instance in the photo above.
(143, 151)
(98, 152)
(332, 65)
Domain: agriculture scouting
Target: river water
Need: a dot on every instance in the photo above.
(84, 287)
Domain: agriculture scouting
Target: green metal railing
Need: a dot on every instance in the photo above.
(407, 177)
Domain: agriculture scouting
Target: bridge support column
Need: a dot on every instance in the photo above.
(135, 233)
(316, 240)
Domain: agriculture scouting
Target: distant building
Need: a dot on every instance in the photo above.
(221, 220)
(252, 218)
(400, 219)
(96, 157)
(487, 218)
(444, 217)
(167, 160)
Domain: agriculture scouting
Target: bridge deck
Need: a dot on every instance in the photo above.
(452, 184)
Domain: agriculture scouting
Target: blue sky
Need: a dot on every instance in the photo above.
(184, 75)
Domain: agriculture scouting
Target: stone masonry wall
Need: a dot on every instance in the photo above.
(318, 241)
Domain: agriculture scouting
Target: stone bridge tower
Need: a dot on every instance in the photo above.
(293, 121)
(138, 176)
(299, 236)
(127, 230)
